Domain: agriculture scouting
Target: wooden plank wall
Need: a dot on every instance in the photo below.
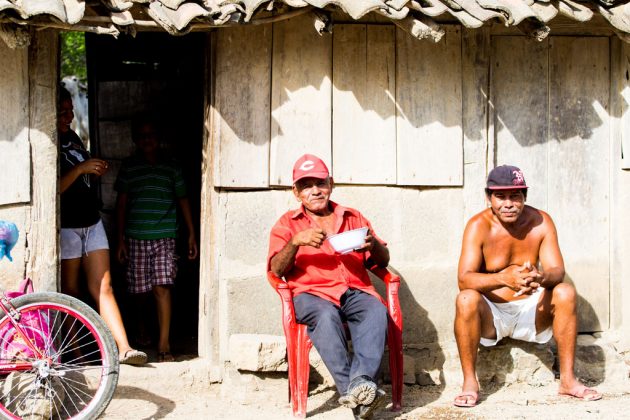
(15, 171)
(364, 105)
(243, 66)
(549, 105)
(429, 118)
(301, 97)
(378, 106)
(579, 168)
(520, 99)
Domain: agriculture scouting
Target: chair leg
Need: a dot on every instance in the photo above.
(394, 342)
(291, 338)
(302, 372)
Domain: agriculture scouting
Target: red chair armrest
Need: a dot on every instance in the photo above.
(392, 284)
(385, 275)
(276, 282)
(286, 297)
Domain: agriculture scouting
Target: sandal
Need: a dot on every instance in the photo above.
(165, 356)
(583, 393)
(133, 357)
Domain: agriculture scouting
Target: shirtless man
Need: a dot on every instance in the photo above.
(510, 278)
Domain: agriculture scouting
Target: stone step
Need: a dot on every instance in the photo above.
(508, 363)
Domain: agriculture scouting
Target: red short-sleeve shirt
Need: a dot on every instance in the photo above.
(321, 271)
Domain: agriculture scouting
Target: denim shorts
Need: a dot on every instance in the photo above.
(77, 242)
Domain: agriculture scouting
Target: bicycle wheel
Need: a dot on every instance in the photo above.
(76, 375)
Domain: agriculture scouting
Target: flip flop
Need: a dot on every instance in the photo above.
(165, 356)
(466, 395)
(584, 394)
(133, 357)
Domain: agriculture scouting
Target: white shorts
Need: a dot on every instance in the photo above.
(517, 320)
(76, 242)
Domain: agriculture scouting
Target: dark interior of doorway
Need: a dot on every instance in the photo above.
(162, 76)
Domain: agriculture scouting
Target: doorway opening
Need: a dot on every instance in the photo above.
(162, 77)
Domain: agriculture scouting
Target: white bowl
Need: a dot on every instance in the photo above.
(348, 241)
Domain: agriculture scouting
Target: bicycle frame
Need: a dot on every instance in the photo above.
(14, 317)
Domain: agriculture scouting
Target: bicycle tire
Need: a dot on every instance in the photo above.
(78, 374)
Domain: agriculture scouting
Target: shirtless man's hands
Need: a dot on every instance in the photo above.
(310, 237)
(523, 279)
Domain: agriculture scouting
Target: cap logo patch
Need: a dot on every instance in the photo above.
(519, 179)
(307, 165)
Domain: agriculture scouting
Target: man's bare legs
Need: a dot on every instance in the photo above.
(163, 304)
(473, 319)
(558, 308)
(96, 266)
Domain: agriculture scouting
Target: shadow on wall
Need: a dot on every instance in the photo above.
(537, 91)
(424, 352)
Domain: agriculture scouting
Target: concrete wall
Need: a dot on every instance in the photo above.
(423, 236)
(424, 251)
(28, 164)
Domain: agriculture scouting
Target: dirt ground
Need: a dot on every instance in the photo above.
(173, 391)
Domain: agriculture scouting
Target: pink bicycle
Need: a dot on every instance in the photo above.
(58, 359)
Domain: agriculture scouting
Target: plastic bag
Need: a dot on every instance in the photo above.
(8, 237)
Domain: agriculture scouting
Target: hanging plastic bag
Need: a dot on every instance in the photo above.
(8, 237)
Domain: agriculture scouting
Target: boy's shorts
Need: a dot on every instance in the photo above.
(76, 242)
(517, 320)
(152, 262)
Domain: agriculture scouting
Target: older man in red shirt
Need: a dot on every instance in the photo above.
(331, 288)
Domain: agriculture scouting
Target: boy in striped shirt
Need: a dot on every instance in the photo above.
(149, 189)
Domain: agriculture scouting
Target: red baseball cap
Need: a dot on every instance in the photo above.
(309, 166)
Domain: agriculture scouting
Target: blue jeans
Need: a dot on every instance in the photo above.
(366, 318)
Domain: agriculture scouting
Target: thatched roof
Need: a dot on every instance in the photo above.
(418, 17)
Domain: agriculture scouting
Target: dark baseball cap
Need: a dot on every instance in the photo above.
(506, 177)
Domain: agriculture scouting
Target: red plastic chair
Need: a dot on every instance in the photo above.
(299, 345)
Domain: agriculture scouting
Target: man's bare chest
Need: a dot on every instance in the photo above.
(503, 250)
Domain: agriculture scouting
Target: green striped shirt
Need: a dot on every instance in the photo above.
(152, 191)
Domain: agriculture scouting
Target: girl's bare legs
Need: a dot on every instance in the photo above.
(70, 276)
(96, 266)
(99, 281)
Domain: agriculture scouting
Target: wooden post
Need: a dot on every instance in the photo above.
(208, 345)
(42, 257)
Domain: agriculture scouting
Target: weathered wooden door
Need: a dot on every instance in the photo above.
(550, 117)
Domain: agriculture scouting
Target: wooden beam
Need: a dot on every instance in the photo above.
(43, 242)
